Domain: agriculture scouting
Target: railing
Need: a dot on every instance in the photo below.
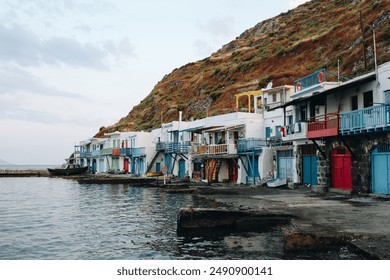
(315, 78)
(363, 120)
(160, 146)
(323, 126)
(178, 147)
(116, 152)
(106, 152)
(132, 152)
(222, 149)
(250, 144)
(95, 153)
(294, 131)
(85, 154)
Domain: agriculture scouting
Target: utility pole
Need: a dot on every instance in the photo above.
(364, 40)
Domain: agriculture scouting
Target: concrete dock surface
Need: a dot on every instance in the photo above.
(321, 219)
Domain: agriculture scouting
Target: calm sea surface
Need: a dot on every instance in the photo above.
(49, 218)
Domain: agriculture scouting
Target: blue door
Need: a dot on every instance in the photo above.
(182, 168)
(94, 166)
(158, 166)
(253, 169)
(141, 166)
(309, 167)
(381, 170)
(285, 165)
(168, 162)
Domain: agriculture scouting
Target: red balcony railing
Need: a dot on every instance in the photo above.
(323, 126)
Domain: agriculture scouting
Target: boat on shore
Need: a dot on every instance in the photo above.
(273, 183)
(68, 169)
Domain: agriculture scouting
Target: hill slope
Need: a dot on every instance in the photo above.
(284, 48)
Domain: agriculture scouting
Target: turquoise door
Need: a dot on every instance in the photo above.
(168, 162)
(141, 166)
(309, 167)
(158, 166)
(285, 165)
(182, 168)
(381, 170)
(94, 166)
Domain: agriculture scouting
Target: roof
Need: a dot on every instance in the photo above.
(350, 83)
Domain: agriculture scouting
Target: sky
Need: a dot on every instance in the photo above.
(69, 67)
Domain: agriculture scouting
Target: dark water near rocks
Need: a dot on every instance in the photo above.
(52, 218)
(49, 218)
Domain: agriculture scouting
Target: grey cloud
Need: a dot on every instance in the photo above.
(40, 117)
(16, 81)
(22, 47)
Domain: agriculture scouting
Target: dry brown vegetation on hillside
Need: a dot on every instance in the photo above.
(315, 35)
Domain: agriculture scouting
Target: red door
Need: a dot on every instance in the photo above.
(233, 172)
(126, 165)
(341, 169)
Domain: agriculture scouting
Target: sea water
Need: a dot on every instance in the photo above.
(53, 218)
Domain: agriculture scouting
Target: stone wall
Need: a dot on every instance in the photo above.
(360, 146)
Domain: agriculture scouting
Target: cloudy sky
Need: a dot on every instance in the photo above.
(68, 67)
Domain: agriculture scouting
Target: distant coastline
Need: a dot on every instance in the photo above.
(26, 167)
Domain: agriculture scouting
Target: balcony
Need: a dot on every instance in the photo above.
(250, 145)
(116, 152)
(323, 126)
(132, 152)
(370, 119)
(106, 152)
(214, 149)
(85, 154)
(294, 131)
(95, 153)
(178, 147)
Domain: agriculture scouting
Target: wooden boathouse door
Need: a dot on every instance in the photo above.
(341, 169)
(380, 157)
(309, 165)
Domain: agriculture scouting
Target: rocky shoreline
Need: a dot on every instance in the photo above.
(24, 173)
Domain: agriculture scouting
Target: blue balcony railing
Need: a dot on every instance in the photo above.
(132, 152)
(315, 78)
(250, 144)
(368, 119)
(178, 147)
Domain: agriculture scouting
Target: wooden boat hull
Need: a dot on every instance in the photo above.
(67, 171)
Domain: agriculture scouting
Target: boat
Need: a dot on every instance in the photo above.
(68, 169)
(154, 174)
(273, 183)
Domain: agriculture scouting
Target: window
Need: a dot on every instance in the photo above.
(368, 99)
(289, 120)
(354, 103)
(273, 97)
(387, 96)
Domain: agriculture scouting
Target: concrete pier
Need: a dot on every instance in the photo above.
(23, 173)
(204, 221)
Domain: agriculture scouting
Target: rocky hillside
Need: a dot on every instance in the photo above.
(282, 49)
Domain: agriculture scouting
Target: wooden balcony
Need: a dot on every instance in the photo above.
(214, 149)
(323, 126)
(370, 119)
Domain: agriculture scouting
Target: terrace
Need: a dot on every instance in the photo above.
(370, 119)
